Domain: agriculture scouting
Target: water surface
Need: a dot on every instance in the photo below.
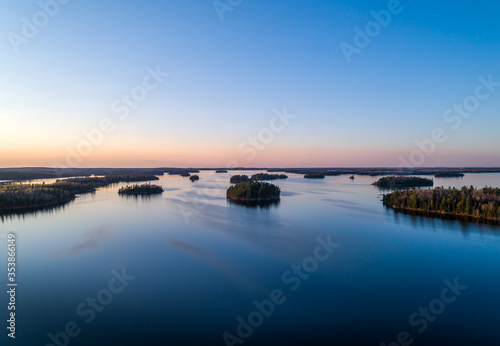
(200, 262)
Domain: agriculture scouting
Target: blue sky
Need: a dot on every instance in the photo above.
(226, 77)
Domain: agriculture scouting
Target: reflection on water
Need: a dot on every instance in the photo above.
(256, 204)
(201, 262)
(21, 213)
(93, 239)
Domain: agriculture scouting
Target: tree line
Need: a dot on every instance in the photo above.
(468, 201)
(253, 191)
(256, 177)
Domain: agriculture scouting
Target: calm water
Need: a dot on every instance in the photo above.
(200, 262)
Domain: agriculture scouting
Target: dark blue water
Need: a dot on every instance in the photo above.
(186, 268)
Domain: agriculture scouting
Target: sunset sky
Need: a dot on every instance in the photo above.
(207, 80)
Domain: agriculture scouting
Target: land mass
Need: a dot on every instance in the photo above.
(316, 175)
(253, 191)
(16, 197)
(256, 177)
(449, 175)
(144, 189)
(482, 204)
(403, 182)
(29, 173)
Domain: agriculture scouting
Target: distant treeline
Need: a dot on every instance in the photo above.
(256, 177)
(28, 173)
(478, 204)
(19, 174)
(384, 171)
(402, 182)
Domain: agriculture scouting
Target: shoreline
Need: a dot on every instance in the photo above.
(443, 214)
(241, 199)
(35, 207)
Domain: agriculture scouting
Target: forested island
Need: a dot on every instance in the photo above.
(253, 191)
(318, 175)
(221, 171)
(403, 182)
(16, 197)
(483, 204)
(194, 178)
(256, 177)
(144, 189)
(449, 175)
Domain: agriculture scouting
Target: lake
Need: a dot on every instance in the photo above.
(187, 267)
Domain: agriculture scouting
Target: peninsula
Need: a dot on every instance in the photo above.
(482, 204)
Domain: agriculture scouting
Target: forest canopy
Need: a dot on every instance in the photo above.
(144, 189)
(253, 191)
(401, 182)
(480, 204)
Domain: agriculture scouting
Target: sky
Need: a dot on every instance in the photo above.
(261, 83)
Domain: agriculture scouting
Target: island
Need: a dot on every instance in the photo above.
(253, 191)
(318, 175)
(194, 178)
(221, 171)
(403, 182)
(239, 179)
(449, 175)
(468, 203)
(265, 176)
(144, 189)
(19, 198)
(256, 177)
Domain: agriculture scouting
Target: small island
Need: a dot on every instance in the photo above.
(403, 182)
(265, 176)
(20, 198)
(314, 176)
(144, 189)
(221, 171)
(449, 175)
(239, 179)
(468, 203)
(253, 191)
(194, 178)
